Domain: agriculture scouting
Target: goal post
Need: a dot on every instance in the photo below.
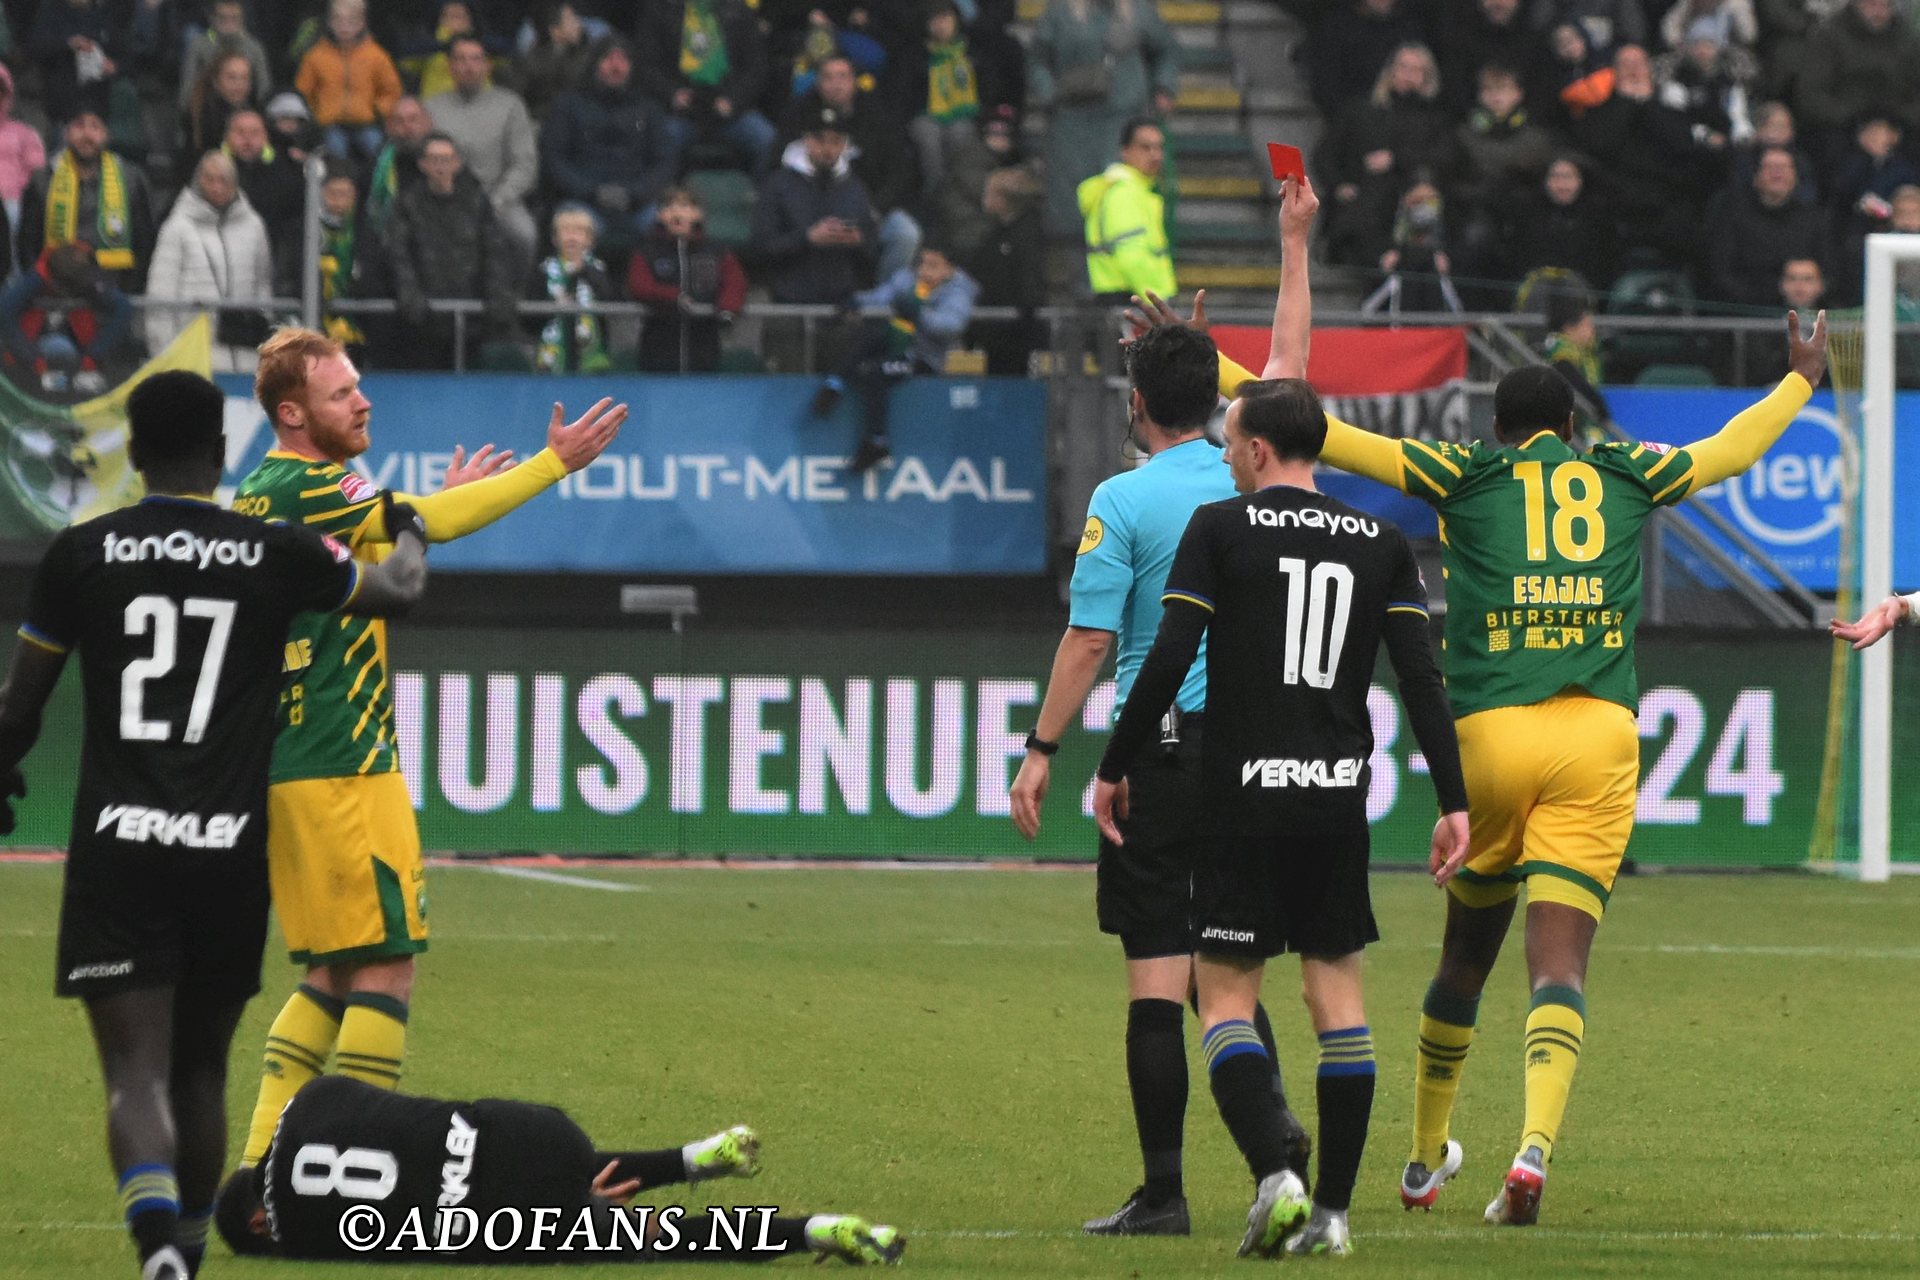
(1885, 253)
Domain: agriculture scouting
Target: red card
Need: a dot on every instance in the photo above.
(1287, 161)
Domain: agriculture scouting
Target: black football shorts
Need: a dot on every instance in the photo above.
(1286, 878)
(134, 917)
(1145, 886)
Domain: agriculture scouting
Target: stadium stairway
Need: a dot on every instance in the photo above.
(1239, 90)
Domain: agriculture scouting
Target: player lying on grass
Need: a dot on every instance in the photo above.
(1543, 579)
(358, 1172)
(179, 611)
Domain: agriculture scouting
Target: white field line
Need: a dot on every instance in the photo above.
(577, 882)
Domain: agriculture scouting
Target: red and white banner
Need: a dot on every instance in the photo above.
(1398, 382)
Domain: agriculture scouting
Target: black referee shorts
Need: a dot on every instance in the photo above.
(136, 917)
(1144, 890)
(1286, 878)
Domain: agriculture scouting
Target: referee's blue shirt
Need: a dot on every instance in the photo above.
(1134, 525)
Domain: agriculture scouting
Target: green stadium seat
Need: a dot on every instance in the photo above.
(1675, 375)
(740, 360)
(728, 197)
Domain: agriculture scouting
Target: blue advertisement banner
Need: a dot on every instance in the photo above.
(724, 475)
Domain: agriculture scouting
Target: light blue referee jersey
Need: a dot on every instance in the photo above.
(1134, 525)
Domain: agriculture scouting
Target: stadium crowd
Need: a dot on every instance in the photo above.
(573, 151)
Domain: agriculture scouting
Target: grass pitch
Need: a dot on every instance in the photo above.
(942, 1050)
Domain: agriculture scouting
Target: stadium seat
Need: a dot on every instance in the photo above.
(1675, 375)
(740, 360)
(728, 197)
(1651, 293)
(503, 357)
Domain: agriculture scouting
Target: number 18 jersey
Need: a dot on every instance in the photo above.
(1542, 562)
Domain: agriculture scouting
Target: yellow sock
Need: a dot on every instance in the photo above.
(373, 1039)
(1446, 1032)
(297, 1048)
(1555, 1029)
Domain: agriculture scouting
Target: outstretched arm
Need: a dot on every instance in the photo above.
(1293, 307)
(1877, 621)
(454, 513)
(1740, 443)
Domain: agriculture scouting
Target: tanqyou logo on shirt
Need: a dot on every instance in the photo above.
(181, 547)
(1327, 522)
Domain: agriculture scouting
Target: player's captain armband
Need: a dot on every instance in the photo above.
(1092, 536)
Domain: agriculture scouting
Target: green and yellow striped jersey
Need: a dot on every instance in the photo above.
(336, 707)
(1542, 562)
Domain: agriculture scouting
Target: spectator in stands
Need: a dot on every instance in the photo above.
(1569, 78)
(63, 323)
(225, 86)
(940, 90)
(571, 274)
(929, 308)
(805, 33)
(274, 187)
(1606, 24)
(1566, 224)
(608, 146)
(444, 242)
(351, 262)
(1785, 29)
(960, 209)
(397, 167)
(1868, 176)
(494, 132)
(1418, 268)
(225, 32)
(1482, 34)
(814, 228)
(1656, 174)
(1125, 220)
(22, 155)
(1504, 154)
(90, 193)
(1706, 79)
(1803, 285)
(1863, 59)
(1010, 266)
(213, 247)
(881, 157)
(427, 59)
(1734, 18)
(291, 128)
(1773, 127)
(1753, 233)
(1345, 53)
(708, 63)
(1370, 153)
(557, 63)
(77, 45)
(1572, 347)
(1095, 64)
(692, 288)
(349, 82)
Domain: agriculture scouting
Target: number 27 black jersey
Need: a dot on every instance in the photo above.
(179, 611)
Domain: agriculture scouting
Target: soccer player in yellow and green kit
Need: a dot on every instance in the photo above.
(1542, 563)
(343, 852)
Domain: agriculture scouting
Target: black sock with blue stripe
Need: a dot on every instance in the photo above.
(1345, 1091)
(1242, 1078)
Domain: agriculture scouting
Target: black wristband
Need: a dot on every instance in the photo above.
(1037, 743)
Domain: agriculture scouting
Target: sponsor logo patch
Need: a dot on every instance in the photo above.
(1092, 535)
(1214, 933)
(340, 551)
(356, 487)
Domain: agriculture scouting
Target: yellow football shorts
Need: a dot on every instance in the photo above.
(343, 855)
(1550, 795)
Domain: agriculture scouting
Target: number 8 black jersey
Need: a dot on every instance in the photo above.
(179, 610)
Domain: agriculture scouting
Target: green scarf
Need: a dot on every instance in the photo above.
(383, 186)
(337, 244)
(113, 238)
(1584, 357)
(952, 92)
(703, 46)
(589, 345)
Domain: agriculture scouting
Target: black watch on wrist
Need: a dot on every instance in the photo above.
(1037, 743)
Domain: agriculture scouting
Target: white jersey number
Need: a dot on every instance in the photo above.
(161, 616)
(358, 1173)
(1314, 640)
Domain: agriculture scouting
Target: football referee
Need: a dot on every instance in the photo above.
(1143, 888)
(1294, 593)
